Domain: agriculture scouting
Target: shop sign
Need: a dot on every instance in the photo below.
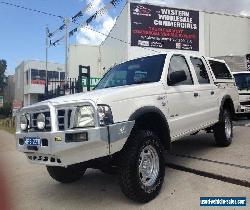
(93, 81)
(164, 27)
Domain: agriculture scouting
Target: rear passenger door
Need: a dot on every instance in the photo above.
(207, 91)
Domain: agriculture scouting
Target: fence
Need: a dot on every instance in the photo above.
(58, 88)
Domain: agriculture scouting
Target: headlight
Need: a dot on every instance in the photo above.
(105, 115)
(23, 122)
(84, 117)
(40, 120)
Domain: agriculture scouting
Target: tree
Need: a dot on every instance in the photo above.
(3, 66)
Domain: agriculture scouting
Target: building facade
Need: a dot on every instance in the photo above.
(30, 79)
(146, 29)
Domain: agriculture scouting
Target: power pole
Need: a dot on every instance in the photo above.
(46, 62)
(66, 22)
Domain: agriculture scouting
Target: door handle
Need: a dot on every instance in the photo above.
(212, 92)
(196, 94)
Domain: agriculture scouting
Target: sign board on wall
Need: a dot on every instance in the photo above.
(163, 27)
(93, 81)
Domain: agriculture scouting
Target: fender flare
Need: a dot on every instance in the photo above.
(224, 99)
(152, 109)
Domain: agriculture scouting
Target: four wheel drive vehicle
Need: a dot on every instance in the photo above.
(124, 125)
(242, 80)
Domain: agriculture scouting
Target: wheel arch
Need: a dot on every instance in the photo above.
(159, 126)
(227, 102)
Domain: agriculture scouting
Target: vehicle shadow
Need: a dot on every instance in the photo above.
(194, 144)
(95, 188)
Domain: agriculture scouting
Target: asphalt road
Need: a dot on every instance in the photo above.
(212, 171)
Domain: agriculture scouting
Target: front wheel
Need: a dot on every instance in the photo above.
(223, 130)
(66, 175)
(143, 168)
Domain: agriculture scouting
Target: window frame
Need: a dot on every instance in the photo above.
(206, 68)
(221, 62)
(188, 65)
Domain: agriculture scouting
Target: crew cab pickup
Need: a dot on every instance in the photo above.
(135, 112)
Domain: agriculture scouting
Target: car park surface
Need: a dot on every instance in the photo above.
(32, 188)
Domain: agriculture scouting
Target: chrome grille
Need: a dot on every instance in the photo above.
(33, 122)
(63, 118)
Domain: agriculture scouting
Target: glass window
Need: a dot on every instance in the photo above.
(38, 76)
(56, 75)
(50, 75)
(138, 71)
(62, 75)
(34, 74)
(42, 74)
(179, 63)
(200, 70)
(242, 80)
(53, 75)
(220, 70)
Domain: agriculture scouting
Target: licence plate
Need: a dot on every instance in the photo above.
(32, 141)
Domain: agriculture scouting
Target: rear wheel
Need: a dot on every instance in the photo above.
(143, 168)
(66, 175)
(223, 130)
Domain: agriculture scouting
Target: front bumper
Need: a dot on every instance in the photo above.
(101, 141)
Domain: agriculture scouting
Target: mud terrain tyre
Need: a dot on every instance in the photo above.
(143, 167)
(223, 130)
(109, 170)
(66, 175)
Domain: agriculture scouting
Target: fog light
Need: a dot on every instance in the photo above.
(76, 137)
(41, 121)
(23, 123)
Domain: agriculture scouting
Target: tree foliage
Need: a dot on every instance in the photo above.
(3, 67)
(6, 110)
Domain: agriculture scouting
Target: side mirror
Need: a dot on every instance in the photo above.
(177, 77)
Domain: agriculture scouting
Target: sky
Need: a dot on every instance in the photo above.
(22, 34)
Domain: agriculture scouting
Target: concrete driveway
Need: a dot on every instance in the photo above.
(30, 186)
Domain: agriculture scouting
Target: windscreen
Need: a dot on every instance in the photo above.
(138, 71)
(242, 80)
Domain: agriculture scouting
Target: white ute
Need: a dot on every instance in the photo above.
(242, 79)
(136, 111)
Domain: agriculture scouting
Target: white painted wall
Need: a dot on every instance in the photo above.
(27, 93)
(114, 51)
(41, 65)
(85, 55)
(226, 35)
